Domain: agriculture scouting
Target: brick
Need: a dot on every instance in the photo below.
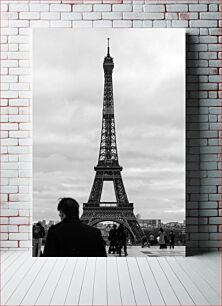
(122, 23)
(29, 15)
(213, 7)
(18, 236)
(19, 102)
(203, 23)
(9, 31)
(210, 15)
(60, 24)
(187, 16)
(19, 118)
(51, 16)
(180, 23)
(60, 8)
(24, 229)
(18, 7)
(171, 16)
(19, 150)
(93, 15)
(20, 71)
(215, 63)
(197, 7)
(19, 86)
(9, 63)
(112, 15)
(25, 244)
(138, 23)
(39, 7)
(177, 8)
(102, 23)
(9, 212)
(208, 39)
(18, 23)
(9, 142)
(135, 15)
(154, 8)
(9, 126)
(215, 220)
(9, 173)
(82, 8)
(71, 16)
(102, 7)
(121, 7)
(9, 244)
(24, 212)
(39, 24)
(137, 8)
(9, 94)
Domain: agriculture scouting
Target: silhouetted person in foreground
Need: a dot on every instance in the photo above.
(172, 238)
(71, 237)
(121, 239)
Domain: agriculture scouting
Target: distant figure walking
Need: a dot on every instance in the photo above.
(38, 233)
(70, 237)
(122, 238)
(172, 238)
(151, 239)
(144, 241)
(113, 240)
(162, 239)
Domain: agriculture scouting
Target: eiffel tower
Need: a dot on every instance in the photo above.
(108, 169)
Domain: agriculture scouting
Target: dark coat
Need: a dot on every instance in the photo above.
(71, 237)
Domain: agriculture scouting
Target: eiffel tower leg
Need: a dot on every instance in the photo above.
(120, 190)
(96, 191)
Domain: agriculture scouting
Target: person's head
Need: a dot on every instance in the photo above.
(161, 229)
(68, 208)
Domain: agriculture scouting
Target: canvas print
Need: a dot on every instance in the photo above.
(109, 142)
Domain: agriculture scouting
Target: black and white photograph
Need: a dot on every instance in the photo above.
(108, 142)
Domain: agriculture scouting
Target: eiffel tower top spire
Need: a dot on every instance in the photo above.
(108, 39)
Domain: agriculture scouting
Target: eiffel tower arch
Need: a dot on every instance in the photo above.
(108, 169)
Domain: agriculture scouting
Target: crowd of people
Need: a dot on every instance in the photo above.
(71, 237)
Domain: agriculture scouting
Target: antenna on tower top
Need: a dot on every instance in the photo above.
(108, 47)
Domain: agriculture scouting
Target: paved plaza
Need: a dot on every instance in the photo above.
(153, 251)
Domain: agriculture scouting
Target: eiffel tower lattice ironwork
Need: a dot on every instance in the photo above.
(108, 169)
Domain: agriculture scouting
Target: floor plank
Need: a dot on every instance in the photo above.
(12, 270)
(100, 282)
(86, 294)
(113, 285)
(187, 281)
(17, 278)
(5, 255)
(139, 288)
(46, 294)
(209, 293)
(10, 261)
(73, 293)
(165, 287)
(126, 289)
(22, 288)
(62, 287)
(152, 288)
(179, 289)
(206, 273)
(39, 282)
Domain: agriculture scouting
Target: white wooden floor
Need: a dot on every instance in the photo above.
(110, 281)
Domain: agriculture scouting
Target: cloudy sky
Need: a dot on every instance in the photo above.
(149, 102)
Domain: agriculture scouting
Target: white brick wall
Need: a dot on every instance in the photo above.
(199, 17)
